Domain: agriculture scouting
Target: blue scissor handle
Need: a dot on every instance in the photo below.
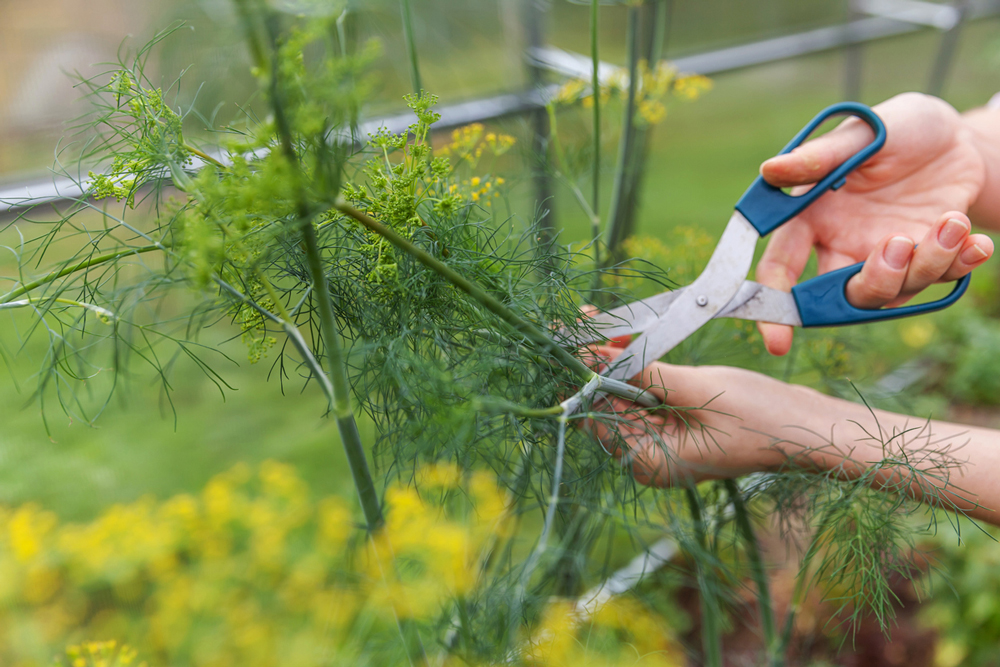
(822, 301)
(767, 207)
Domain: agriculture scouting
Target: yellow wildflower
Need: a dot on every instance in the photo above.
(652, 111)
(692, 86)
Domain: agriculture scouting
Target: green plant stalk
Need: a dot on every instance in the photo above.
(73, 268)
(560, 173)
(411, 46)
(711, 632)
(627, 144)
(654, 41)
(758, 571)
(595, 84)
(335, 363)
(336, 367)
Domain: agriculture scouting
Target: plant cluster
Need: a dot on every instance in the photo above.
(255, 571)
(396, 275)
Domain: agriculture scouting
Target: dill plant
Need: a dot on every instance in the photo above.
(394, 275)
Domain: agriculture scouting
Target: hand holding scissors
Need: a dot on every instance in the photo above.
(722, 290)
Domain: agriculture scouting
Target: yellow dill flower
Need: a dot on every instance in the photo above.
(554, 639)
(500, 143)
(652, 111)
(27, 530)
(570, 91)
(441, 474)
(334, 524)
(692, 87)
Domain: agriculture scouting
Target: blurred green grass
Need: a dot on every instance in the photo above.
(702, 159)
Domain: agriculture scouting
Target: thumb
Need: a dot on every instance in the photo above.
(779, 267)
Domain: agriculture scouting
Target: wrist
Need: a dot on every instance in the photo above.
(981, 129)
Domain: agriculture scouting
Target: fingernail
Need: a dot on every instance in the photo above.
(953, 233)
(897, 252)
(973, 254)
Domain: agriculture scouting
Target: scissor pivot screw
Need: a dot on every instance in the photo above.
(702, 300)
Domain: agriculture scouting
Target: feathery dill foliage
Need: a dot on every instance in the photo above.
(274, 232)
(441, 374)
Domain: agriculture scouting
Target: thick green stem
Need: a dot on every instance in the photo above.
(335, 362)
(758, 571)
(73, 268)
(336, 367)
(595, 84)
(711, 631)
(411, 46)
(627, 143)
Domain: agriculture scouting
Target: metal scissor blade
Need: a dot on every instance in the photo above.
(763, 304)
(701, 301)
(628, 319)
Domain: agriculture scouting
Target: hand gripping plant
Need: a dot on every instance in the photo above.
(387, 275)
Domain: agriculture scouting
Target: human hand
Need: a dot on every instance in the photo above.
(720, 430)
(730, 422)
(917, 189)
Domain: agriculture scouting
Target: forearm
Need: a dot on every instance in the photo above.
(956, 465)
(984, 127)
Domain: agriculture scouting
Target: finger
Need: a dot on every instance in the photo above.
(815, 159)
(936, 252)
(881, 278)
(977, 249)
(780, 267)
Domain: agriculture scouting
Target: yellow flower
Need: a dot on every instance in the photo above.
(692, 86)
(27, 530)
(917, 333)
(570, 91)
(652, 111)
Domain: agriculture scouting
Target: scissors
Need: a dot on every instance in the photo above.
(722, 289)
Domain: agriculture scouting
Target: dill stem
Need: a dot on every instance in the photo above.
(73, 268)
(711, 634)
(203, 155)
(595, 85)
(766, 609)
(335, 362)
(581, 199)
(627, 143)
(411, 46)
(503, 406)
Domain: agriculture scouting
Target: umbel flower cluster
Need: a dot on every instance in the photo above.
(254, 571)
